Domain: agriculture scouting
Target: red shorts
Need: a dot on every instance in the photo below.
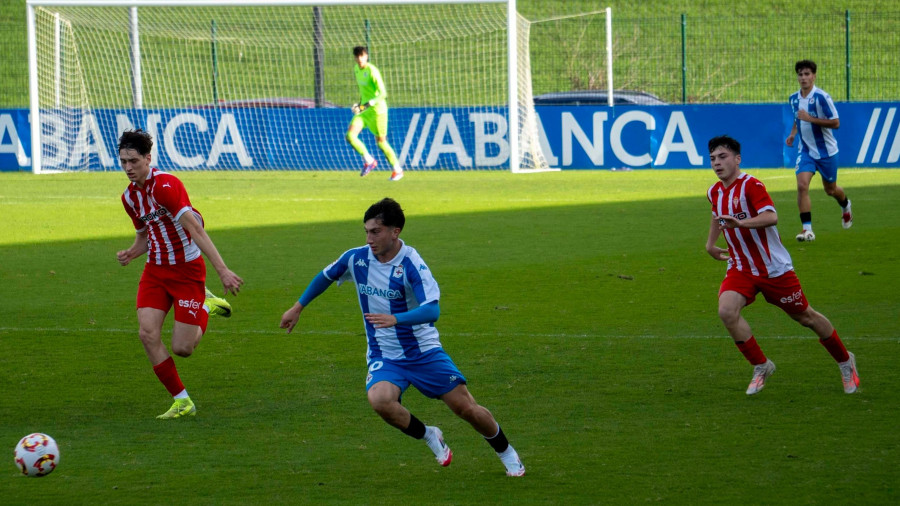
(181, 285)
(783, 291)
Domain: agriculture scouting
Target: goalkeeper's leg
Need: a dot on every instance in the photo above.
(353, 138)
(380, 131)
(388, 152)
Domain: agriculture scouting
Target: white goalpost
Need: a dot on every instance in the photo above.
(267, 84)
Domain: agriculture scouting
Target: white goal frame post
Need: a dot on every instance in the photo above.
(527, 158)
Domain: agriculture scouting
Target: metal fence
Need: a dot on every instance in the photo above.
(715, 59)
(687, 59)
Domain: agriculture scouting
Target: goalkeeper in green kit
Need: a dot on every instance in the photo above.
(371, 112)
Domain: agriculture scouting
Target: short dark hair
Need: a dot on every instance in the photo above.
(360, 50)
(805, 64)
(388, 212)
(136, 139)
(726, 142)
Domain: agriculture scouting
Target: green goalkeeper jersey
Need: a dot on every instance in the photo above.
(371, 87)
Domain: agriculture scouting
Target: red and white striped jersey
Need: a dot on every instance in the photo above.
(156, 208)
(756, 251)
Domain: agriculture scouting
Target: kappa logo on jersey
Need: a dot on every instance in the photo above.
(361, 263)
(155, 214)
(167, 185)
(398, 271)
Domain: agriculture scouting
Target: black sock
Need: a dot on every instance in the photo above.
(806, 217)
(844, 202)
(499, 442)
(416, 428)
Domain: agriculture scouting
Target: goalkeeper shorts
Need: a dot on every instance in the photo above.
(376, 123)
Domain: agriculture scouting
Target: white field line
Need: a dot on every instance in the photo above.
(794, 176)
(301, 332)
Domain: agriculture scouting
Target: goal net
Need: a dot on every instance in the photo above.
(269, 84)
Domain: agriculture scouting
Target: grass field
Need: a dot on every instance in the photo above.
(581, 306)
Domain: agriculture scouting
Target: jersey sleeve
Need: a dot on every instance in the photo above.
(421, 281)
(170, 193)
(339, 270)
(712, 205)
(139, 225)
(828, 108)
(758, 197)
(380, 90)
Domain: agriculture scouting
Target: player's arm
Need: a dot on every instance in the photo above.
(316, 287)
(230, 281)
(426, 313)
(138, 248)
(822, 122)
(762, 220)
(380, 89)
(714, 233)
(790, 139)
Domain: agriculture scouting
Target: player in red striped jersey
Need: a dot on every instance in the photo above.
(758, 262)
(171, 232)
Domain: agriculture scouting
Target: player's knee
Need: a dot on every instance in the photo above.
(379, 403)
(149, 336)
(806, 318)
(467, 410)
(729, 315)
(182, 350)
(383, 407)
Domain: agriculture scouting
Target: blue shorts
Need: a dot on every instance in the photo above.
(433, 373)
(826, 166)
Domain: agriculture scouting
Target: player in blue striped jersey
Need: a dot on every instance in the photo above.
(815, 116)
(399, 300)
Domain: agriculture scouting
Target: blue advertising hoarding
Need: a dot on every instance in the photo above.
(571, 137)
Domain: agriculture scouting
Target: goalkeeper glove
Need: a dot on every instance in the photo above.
(358, 108)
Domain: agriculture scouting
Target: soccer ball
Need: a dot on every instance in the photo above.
(37, 455)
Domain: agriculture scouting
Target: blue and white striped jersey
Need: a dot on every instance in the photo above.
(818, 141)
(398, 286)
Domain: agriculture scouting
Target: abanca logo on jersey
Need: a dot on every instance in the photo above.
(379, 292)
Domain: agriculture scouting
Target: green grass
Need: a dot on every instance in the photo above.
(581, 306)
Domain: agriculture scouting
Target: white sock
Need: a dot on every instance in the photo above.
(807, 226)
(182, 395)
(369, 158)
(508, 453)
